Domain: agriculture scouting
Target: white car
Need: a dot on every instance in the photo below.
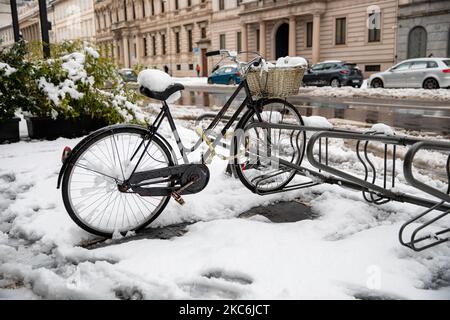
(427, 73)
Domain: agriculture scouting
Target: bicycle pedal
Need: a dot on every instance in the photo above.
(176, 196)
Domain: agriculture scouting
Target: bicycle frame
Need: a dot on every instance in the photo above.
(184, 151)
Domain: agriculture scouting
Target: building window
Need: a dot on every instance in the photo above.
(309, 34)
(221, 4)
(177, 5)
(374, 26)
(372, 68)
(258, 43)
(178, 67)
(177, 42)
(163, 9)
(190, 47)
(163, 43)
(203, 33)
(143, 8)
(191, 66)
(239, 41)
(133, 7)
(153, 7)
(125, 10)
(341, 30)
(154, 45)
(145, 47)
(189, 3)
(222, 41)
(417, 43)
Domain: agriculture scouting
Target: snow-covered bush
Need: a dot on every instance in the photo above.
(70, 84)
(13, 91)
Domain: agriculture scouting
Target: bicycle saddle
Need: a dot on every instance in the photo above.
(161, 95)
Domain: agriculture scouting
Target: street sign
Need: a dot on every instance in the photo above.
(196, 51)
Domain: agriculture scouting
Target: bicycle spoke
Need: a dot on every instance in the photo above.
(94, 194)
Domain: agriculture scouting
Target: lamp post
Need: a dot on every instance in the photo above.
(15, 20)
(44, 28)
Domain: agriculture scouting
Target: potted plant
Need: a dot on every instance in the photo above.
(10, 98)
(65, 94)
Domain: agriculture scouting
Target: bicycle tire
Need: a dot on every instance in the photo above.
(243, 123)
(67, 176)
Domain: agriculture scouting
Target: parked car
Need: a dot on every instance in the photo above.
(128, 75)
(333, 73)
(427, 73)
(225, 75)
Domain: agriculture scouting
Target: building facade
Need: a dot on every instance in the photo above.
(423, 28)
(69, 19)
(361, 31)
(72, 20)
(173, 34)
(6, 36)
(177, 33)
(29, 22)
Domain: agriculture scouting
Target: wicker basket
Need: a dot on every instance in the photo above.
(275, 82)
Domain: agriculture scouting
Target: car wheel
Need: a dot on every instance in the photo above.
(210, 81)
(231, 82)
(335, 83)
(377, 83)
(430, 83)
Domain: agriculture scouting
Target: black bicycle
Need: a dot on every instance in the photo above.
(120, 178)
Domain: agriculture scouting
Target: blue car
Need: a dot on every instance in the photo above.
(225, 75)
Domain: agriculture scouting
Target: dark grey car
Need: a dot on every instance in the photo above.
(333, 73)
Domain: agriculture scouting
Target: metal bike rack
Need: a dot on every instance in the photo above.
(375, 190)
(443, 234)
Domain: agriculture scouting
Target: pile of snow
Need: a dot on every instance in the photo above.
(349, 251)
(92, 52)
(383, 128)
(57, 92)
(7, 69)
(317, 121)
(283, 62)
(350, 92)
(291, 62)
(191, 81)
(158, 81)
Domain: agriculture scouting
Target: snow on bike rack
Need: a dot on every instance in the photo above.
(424, 230)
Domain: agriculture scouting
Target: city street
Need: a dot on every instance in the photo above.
(411, 114)
(224, 150)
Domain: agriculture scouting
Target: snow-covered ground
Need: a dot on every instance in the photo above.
(365, 92)
(349, 251)
(190, 81)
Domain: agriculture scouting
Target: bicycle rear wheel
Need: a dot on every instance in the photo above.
(90, 186)
(256, 149)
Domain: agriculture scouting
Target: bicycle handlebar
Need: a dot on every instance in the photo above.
(256, 62)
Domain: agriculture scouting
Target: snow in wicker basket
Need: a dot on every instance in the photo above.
(277, 81)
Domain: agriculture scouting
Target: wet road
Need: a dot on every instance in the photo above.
(426, 116)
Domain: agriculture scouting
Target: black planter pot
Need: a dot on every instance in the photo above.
(9, 130)
(50, 129)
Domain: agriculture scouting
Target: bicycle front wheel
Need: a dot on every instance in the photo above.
(90, 187)
(256, 151)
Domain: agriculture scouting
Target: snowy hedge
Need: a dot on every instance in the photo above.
(69, 85)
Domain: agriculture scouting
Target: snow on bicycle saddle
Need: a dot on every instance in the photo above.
(159, 85)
